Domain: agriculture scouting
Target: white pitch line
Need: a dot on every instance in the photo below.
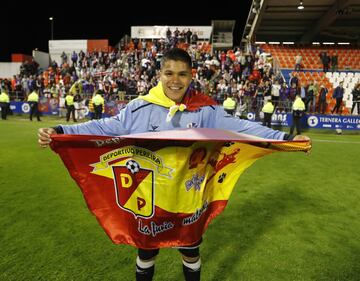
(335, 141)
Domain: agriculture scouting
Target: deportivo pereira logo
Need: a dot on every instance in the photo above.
(134, 189)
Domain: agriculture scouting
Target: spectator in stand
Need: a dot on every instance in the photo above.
(303, 93)
(176, 33)
(78, 104)
(222, 89)
(64, 57)
(298, 111)
(39, 82)
(236, 72)
(268, 110)
(293, 91)
(168, 33)
(188, 35)
(255, 75)
(316, 94)
(54, 65)
(81, 55)
(259, 94)
(258, 52)
(194, 38)
(312, 93)
(33, 100)
(284, 104)
(260, 65)
(143, 45)
(298, 61)
(267, 91)
(247, 96)
(4, 104)
(356, 98)
(74, 58)
(338, 95)
(5, 85)
(275, 93)
(25, 85)
(293, 80)
(334, 62)
(322, 99)
(325, 60)
(278, 77)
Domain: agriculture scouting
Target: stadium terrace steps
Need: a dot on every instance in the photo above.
(330, 81)
(348, 58)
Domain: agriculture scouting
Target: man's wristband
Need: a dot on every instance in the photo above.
(288, 137)
(58, 129)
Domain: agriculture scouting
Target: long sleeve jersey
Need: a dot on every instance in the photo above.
(140, 116)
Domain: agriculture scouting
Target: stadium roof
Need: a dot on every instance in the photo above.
(318, 21)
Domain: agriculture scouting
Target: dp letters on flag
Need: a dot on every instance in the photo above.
(161, 189)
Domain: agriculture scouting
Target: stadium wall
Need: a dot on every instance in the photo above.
(157, 32)
(56, 47)
(97, 45)
(41, 58)
(9, 69)
(20, 58)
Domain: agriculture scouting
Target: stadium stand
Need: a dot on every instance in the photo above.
(251, 72)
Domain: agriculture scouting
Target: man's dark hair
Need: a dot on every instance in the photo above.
(177, 54)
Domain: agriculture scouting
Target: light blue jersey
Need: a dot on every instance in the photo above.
(140, 116)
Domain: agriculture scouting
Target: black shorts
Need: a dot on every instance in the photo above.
(188, 251)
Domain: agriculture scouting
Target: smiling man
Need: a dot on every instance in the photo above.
(171, 105)
(175, 78)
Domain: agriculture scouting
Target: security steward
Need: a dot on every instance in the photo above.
(33, 100)
(298, 111)
(268, 110)
(99, 105)
(70, 107)
(4, 104)
(229, 104)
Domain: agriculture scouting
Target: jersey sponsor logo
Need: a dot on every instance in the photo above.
(153, 128)
(192, 125)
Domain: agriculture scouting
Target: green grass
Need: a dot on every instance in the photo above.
(291, 217)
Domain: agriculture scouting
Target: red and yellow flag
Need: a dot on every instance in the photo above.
(161, 189)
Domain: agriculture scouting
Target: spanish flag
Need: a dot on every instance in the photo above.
(161, 189)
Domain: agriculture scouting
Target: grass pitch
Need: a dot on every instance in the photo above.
(291, 217)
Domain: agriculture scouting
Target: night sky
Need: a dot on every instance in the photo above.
(27, 26)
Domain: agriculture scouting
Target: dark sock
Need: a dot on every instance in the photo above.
(144, 274)
(191, 274)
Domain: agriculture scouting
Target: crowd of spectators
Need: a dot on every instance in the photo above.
(124, 74)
